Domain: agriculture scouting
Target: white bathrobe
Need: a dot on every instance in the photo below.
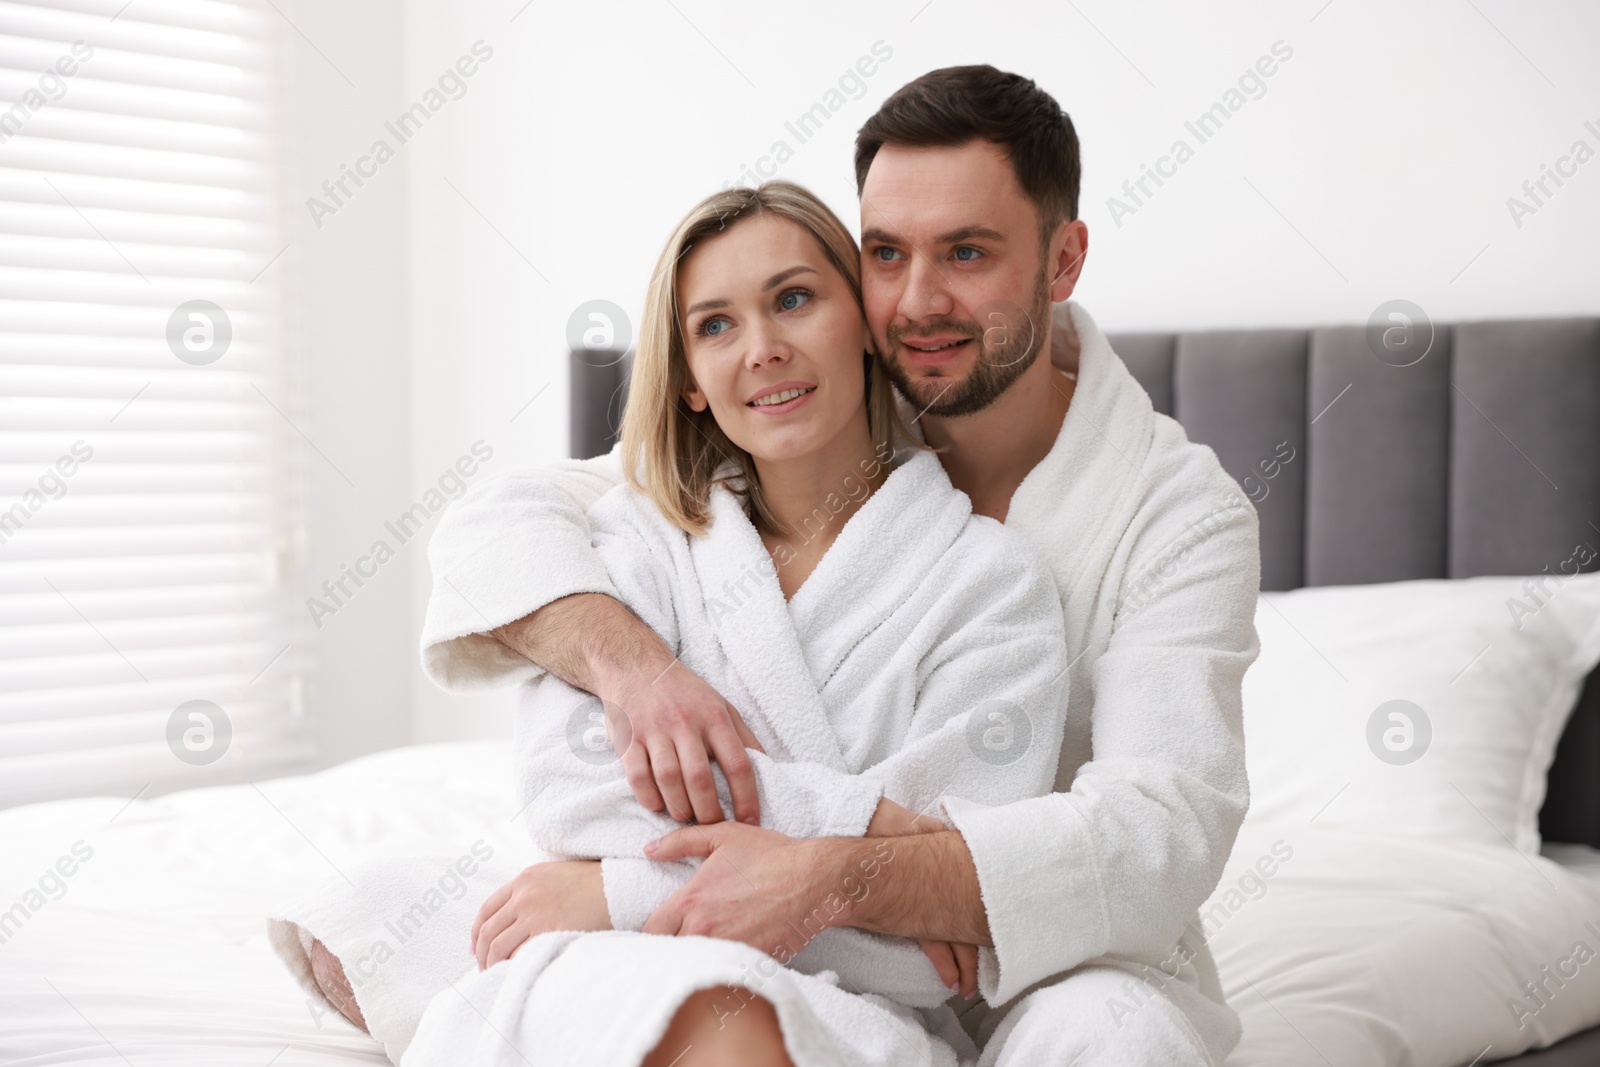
(923, 659)
(1155, 553)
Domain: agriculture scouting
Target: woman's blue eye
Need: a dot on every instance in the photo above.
(792, 299)
(712, 327)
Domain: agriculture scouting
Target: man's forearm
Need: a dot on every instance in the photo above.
(928, 888)
(587, 640)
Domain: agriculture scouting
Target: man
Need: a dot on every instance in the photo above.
(1084, 902)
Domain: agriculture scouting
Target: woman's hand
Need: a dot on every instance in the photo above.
(564, 895)
(896, 820)
(957, 964)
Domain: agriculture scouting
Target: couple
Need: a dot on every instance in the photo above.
(960, 754)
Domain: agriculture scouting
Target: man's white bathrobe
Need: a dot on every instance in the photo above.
(1091, 891)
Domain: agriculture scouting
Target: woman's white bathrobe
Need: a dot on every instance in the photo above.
(923, 659)
(1155, 553)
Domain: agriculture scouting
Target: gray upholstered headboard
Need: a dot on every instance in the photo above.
(1482, 457)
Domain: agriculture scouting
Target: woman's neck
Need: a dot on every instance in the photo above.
(812, 497)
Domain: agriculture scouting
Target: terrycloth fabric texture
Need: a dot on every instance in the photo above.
(401, 929)
(922, 659)
(1155, 553)
(560, 999)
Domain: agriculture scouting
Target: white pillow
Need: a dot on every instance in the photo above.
(1360, 949)
(1430, 708)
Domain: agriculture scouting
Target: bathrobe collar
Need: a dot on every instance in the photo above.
(1098, 457)
(861, 580)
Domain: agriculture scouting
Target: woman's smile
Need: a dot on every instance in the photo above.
(782, 398)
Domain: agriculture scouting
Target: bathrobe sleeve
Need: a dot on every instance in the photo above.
(1120, 863)
(508, 547)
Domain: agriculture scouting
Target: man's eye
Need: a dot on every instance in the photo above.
(966, 253)
(792, 299)
(884, 253)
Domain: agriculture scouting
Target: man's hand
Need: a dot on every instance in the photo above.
(564, 895)
(956, 962)
(675, 723)
(771, 891)
(757, 886)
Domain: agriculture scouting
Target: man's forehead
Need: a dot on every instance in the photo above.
(926, 191)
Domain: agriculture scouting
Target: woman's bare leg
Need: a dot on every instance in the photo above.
(330, 978)
(726, 1026)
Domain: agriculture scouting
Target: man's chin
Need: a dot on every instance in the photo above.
(930, 391)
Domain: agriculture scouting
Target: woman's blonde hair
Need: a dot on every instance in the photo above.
(671, 452)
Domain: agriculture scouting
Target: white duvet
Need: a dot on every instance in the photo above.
(1356, 949)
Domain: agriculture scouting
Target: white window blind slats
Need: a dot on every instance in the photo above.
(73, 576)
(125, 136)
(28, 150)
(141, 649)
(232, 38)
(144, 571)
(89, 191)
(47, 609)
(24, 224)
(97, 89)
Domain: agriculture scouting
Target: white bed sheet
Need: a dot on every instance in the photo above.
(156, 952)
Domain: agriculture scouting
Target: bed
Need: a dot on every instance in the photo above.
(153, 948)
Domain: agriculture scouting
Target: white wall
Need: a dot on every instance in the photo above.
(346, 293)
(1376, 165)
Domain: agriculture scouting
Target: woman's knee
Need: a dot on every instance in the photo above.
(722, 1025)
(330, 978)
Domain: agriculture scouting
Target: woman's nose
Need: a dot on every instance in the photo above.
(766, 345)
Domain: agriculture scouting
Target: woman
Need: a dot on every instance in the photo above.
(886, 647)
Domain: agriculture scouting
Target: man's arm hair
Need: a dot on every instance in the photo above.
(928, 888)
(588, 640)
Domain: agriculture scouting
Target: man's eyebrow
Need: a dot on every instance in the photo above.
(771, 283)
(964, 233)
(967, 233)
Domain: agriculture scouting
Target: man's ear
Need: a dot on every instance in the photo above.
(1067, 262)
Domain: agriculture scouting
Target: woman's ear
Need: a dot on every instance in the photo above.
(867, 342)
(694, 397)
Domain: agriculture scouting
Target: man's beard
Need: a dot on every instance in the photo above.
(996, 367)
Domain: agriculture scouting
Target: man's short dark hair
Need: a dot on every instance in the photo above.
(954, 105)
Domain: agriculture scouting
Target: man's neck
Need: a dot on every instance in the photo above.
(987, 454)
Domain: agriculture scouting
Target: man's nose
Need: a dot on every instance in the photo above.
(926, 294)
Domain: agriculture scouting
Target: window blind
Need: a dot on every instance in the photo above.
(145, 491)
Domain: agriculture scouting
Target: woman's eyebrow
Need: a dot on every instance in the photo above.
(784, 275)
(772, 282)
(705, 305)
